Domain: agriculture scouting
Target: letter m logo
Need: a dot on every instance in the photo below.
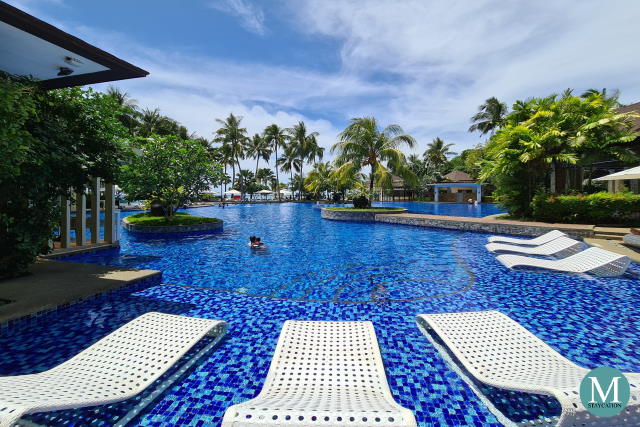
(597, 388)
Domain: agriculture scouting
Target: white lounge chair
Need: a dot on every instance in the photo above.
(545, 238)
(498, 351)
(560, 247)
(117, 367)
(631, 240)
(323, 373)
(596, 261)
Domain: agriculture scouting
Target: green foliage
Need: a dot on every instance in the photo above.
(170, 170)
(541, 134)
(320, 179)
(597, 208)
(50, 142)
(361, 202)
(178, 218)
(469, 161)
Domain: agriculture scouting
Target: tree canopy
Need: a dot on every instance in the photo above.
(170, 170)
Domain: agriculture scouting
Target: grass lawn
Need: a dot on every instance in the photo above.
(351, 209)
(146, 219)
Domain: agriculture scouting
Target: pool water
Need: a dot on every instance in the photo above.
(315, 269)
(448, 209)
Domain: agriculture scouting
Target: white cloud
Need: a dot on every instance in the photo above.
(251, 17)
(448, 56)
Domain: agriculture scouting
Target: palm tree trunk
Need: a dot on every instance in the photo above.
(225, 182)
(277, 180)
(233, 174)
(256, 175)
(301, 179)
(240, 180)
(371, 186)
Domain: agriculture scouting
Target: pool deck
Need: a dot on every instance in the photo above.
(615, 246)
(487, 224)
(51, 284)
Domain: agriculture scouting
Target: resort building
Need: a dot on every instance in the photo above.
(459, 187)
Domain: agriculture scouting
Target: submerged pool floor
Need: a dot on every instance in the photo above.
(323, 270)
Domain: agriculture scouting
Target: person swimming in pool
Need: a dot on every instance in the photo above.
(255, 242)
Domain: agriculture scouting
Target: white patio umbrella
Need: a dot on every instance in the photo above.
(633, 173)
(264, 193)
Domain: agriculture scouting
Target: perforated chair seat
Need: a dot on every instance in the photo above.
(560, 247)
(117, 367)
(500, 352)
(596, 261)
(537, 241)
(323, 374)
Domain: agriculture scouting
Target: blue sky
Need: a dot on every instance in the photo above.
(423, 64)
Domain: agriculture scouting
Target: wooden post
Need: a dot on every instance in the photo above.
(109, 211)
(65, 223)
(95, 210)
(81, 217)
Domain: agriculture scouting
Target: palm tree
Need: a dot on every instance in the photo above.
(437, 152)
(264, 176)
(305, 146)
(362, 144)
(258, 148)
(234, 137)
(128, 105)
(289, 162)
(148, 122)
(122, 98)
(489, 116)
(319, 179)
(277, 137)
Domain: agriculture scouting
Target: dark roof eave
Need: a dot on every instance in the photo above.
(118, 69)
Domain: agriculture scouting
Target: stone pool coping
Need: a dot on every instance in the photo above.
(162, 229)
(53, 285)
(348, 215)
(486, 225)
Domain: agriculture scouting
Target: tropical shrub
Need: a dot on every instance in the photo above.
(50, 142)
(360, 202)
(597, 208)
(170, 170)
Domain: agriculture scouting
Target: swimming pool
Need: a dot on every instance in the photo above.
(448, 209)
(315, 269)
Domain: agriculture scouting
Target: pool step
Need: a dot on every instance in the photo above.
(610, 233)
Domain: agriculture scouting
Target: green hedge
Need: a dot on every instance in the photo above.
(598, 208)
(177, 219)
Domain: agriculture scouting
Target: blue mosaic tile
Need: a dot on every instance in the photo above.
(591, 321)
